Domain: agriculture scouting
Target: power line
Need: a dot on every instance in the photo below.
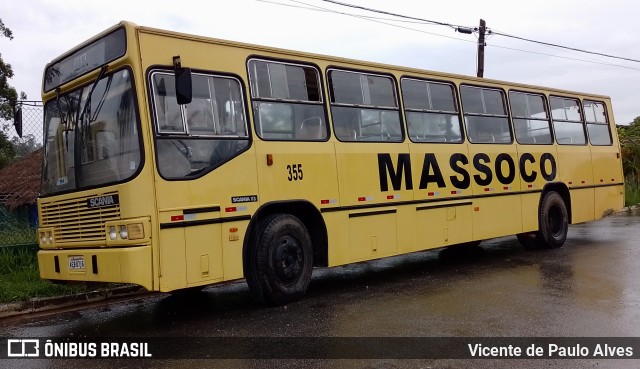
(489, 31)
(565, 47)
(377, 21)
(315, 8)
(392, 14)
(563, 57)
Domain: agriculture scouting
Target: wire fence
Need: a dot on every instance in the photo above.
(18, 221)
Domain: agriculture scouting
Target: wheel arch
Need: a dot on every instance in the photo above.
(563, 191)
(308, 214)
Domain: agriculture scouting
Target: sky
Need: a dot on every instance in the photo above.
(45, 29)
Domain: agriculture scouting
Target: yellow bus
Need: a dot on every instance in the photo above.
(175, 161)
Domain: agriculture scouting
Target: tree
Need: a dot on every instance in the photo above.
(7, 151)
(8, 100)
(630, 141)
(8, 94)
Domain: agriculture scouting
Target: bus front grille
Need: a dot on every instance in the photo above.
(74, 221)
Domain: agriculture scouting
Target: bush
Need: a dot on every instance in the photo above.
(631, 193)
(20, 278)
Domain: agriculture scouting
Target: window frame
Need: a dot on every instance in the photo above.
(547, 108)
(507, 115)
(157, 135)
(581, 121)
(186, 133)
(254, 98)
(606, 122)
(396, 98)
(456, 102)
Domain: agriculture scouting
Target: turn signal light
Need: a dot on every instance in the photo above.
(136, 231)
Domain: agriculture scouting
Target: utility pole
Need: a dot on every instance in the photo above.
(481, 32)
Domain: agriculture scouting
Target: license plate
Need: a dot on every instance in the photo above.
(76, 262)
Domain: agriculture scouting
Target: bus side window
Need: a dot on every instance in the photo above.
(212, 127)
(567, 121)
(168, 112)
(485, 115)
(597, 123)
(431, 109)
(530, 118)
(364, 107)
(287, 101)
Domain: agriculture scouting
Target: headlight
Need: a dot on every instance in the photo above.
(46, 237)
(112, 233)
(123, 232)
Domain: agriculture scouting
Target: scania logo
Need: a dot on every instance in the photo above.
(103, 201)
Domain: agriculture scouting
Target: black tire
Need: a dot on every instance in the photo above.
(553, 219)
(279, 260)
(553, 224)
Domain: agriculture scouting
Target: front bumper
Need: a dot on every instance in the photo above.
(118, 265)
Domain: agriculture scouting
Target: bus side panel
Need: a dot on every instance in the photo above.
(574, 170)
(582, 205)
(364, 170)
(203, 254)
(172, 259)
(608, 200)
(443, 226)
(372, 236)
(232, 238)
(338, 233)
(300, 170)
(606, 171)
(440, 223)
(499, 214)
(530, 207)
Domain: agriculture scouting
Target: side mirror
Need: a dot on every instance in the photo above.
(183, 82)
(17, 121)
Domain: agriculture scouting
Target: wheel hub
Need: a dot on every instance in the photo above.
(288, 260)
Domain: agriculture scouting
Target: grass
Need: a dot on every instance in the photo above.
(631, 193)
(20, 278)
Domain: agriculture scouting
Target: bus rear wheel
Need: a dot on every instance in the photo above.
(280, 260)
(553, 224)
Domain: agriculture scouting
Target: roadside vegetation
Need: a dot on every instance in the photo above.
(631, 194)
(630, 141)
(20, 279)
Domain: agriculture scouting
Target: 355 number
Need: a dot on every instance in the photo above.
(295, 172)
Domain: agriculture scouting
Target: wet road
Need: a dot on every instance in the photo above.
(588, 288)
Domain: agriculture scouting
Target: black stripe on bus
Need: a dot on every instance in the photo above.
(201, 210)
(416, 202)
(380, 212)
(428, 201)
(204, 222)
(596, 186)
(428, 207)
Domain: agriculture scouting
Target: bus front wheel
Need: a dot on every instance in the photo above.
(280, 260)
(553, 222)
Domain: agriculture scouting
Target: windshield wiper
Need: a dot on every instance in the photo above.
(79, 138)
(64, 116)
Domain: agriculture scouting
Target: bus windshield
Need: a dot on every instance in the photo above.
(91, 135)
